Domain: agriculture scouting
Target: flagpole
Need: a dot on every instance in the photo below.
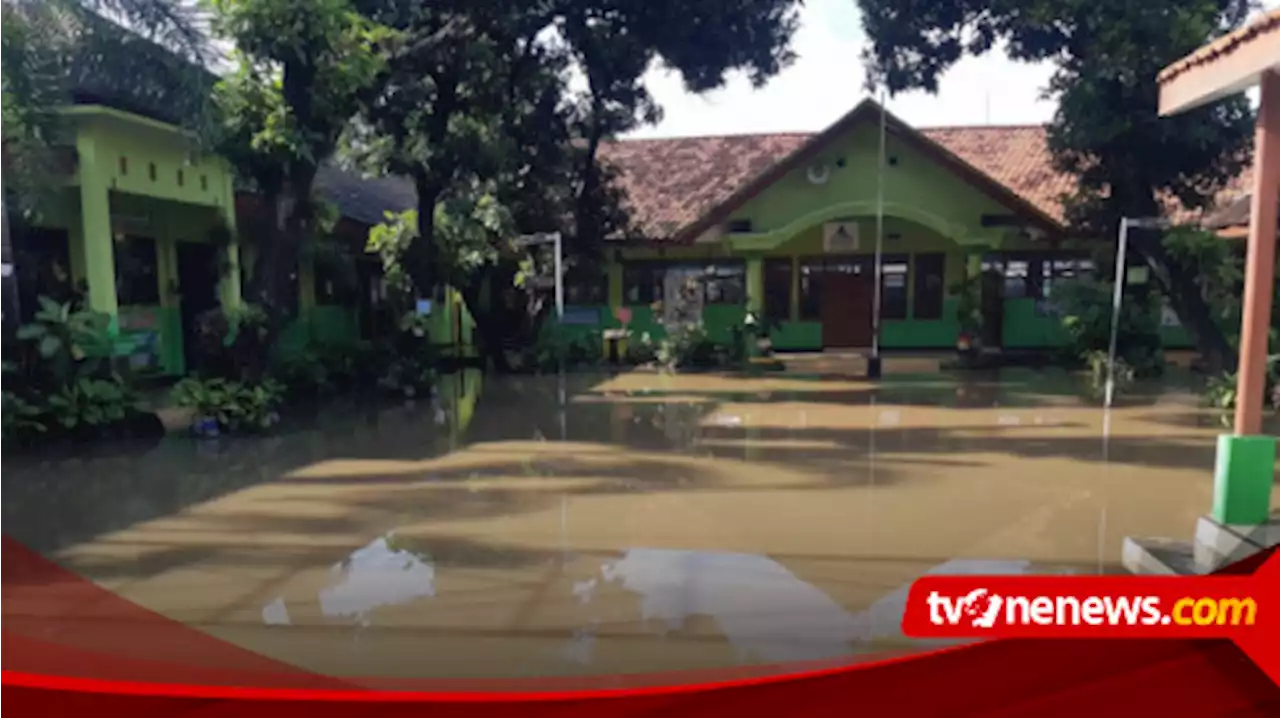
(873, 364)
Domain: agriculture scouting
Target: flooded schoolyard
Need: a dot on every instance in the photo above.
(620, 523)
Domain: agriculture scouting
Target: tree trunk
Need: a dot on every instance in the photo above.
(422, 258)
(1178, 283)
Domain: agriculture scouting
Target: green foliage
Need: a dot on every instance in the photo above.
(90, 402)
(557, 349)
(1098, 367)
(641, 349)
(326, 368)
(235, 406)
(21, 418)
(968, 292)
(686, 346)
(1217, 268)
(232, 343)
(1106, 133)
(409, 376)
(69, 342)
(480, 101)
(1221, 391)
(1086, 307)
(299, 69)
(407, 362)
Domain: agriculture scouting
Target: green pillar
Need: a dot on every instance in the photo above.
(229, 287)
(95, 230)
(1246, 469)
(755, 284)
(973, 263)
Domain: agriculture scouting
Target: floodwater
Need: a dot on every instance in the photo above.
(621, 524)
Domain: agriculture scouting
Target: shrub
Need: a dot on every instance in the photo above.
(90, 403)
(232, 343)
(1097, 363)
(64, 343)
(22, 419)
(686, 345)
(230, 405)
(1086, 308)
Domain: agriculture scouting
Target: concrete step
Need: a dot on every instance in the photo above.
(1215, 546)
(1159, 557)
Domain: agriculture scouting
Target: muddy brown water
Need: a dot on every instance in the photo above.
(629, 523)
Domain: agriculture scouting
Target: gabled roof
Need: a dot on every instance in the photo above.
(678, 188)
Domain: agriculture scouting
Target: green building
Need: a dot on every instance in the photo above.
(146, 226)
(786, 224)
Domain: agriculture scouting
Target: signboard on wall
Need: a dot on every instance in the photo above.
(581, 316)
(840, 237)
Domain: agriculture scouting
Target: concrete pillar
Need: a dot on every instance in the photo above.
(229, 290)
(1246, 460)
(96, 239)
(755, 284)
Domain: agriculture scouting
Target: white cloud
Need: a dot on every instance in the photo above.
(826, 81)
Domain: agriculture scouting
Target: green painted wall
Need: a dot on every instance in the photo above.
(916, 188)
(927, 208)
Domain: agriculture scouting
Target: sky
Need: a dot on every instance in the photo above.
(826, 81)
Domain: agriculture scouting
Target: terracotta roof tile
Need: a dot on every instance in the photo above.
(1015, 156)
(1270, 22)
(670, 183)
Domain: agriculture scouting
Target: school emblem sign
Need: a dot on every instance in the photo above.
(840, 237)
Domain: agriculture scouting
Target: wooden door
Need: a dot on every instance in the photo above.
(846, 310)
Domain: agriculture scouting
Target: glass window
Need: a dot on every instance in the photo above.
(642, 282)
(893, 287)
(930, 283)
(588, 285)
(811, 289)
(777, 289)
(137, 280)
(1064, 269)
(725, 283)
(1015, 279)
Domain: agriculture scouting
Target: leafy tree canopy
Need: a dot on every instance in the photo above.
(511, 100)
(1128, 161)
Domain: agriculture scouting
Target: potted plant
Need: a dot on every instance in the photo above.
(968, 292)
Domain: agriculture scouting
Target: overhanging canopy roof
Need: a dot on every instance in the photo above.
(1232, 63)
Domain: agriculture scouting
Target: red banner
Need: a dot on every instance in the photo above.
(139, 663)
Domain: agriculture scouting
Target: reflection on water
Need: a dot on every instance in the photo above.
(376, 575)
(643, 522)
(759, 606)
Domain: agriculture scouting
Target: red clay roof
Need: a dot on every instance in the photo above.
(671, 183)
(1222, 46)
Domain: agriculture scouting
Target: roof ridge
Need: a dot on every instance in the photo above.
(722, 135)
(812, 133)
(993, 126)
